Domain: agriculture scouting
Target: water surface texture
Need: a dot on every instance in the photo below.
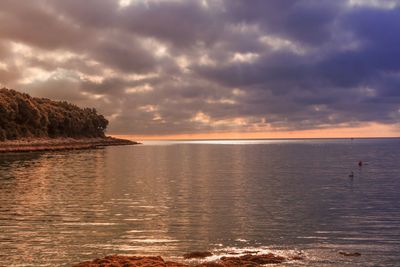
(168, 198)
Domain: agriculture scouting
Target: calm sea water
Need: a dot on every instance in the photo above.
(168, 198)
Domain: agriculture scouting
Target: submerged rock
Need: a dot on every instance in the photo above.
(350, 254)
(197, 255)
(251, 251)
(297, 258)
(254, 259)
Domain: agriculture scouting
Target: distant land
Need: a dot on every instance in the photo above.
(30, 124)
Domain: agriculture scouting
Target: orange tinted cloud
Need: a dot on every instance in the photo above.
(370, 130)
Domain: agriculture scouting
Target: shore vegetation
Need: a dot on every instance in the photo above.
(23, 116)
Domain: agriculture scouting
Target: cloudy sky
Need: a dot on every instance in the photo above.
(249, 68)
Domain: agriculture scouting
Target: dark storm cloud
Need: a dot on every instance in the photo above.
(379, 30)
(167, 67)
(180, 23)
(307, 21)
(89, 12)
(124, 55)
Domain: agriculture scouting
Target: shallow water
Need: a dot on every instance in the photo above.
(168, 198)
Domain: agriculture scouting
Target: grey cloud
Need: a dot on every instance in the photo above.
(9, 75)
(34, 24)
(125, 55)
(89, 12)
(180, 23)
(308, 21)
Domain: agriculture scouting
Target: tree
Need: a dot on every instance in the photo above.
(24, 116)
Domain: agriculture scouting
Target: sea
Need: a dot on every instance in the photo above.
(167, 198)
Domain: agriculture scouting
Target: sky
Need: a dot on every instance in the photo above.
(212, 68)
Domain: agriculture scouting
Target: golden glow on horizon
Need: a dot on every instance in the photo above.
(370, 130)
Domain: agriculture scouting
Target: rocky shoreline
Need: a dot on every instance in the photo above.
(248, 260)
(207, 259)
(57, 144)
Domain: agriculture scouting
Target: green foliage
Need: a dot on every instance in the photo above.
(24, 116)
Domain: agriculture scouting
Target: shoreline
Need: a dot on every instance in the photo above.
(249, 259)
(59, 144)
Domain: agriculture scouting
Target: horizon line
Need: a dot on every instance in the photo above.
(131, 137)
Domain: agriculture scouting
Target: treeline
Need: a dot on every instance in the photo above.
(24, 116)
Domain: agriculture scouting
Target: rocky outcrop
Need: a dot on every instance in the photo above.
(197, 255)
(132, 261)
(250, 260)
(135, 261)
